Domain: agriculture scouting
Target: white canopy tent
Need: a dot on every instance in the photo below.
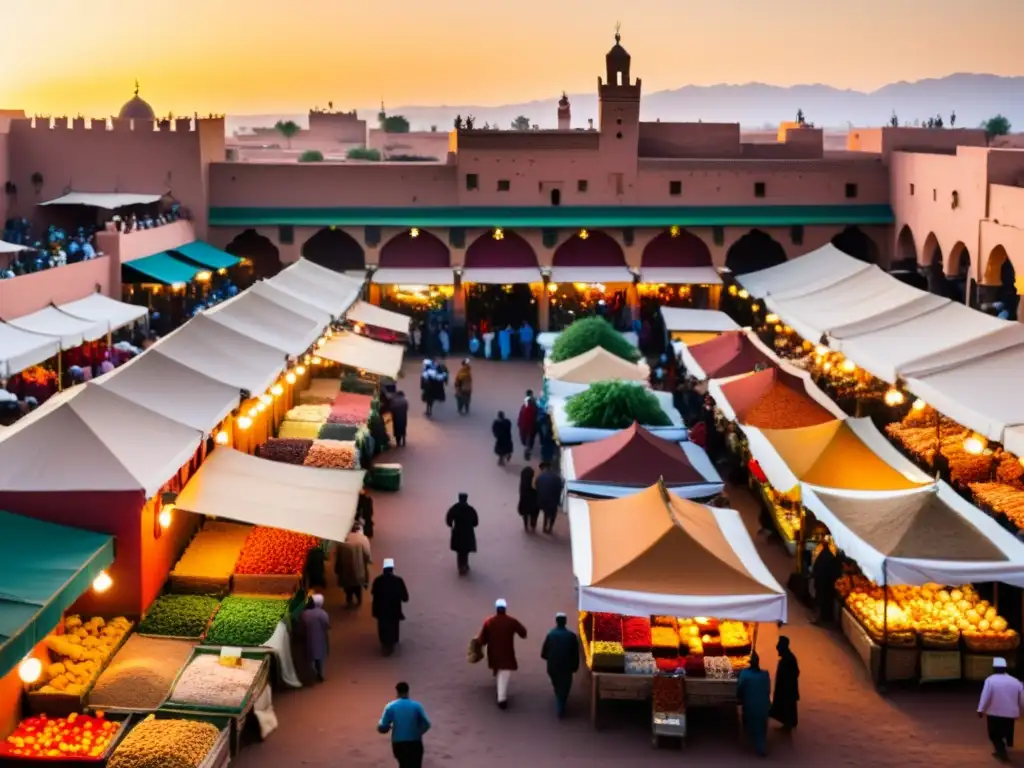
(290, 302)
(109, 201)
(919, 536)
(100, 308)
(368, 314)
(591, 275)
(502, 275)
(22, 349)
(107, 443)
(313, 272)
(325, 292)
(6, 247)
(721, 398)
(654, 553)
(237, 486)
(174, 390)
(72, 331)
(357, 351)
(223, 354)
(680, 275)
(697, 320)
(812, 271)
(413, 276)
(267, 322)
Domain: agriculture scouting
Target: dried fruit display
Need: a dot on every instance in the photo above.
(665, 621)
(141, 674)
(350, 408)
(665, 642)
(81, 653)
(208, 683)
(608, 627)
(273, 551)
(167, 743)
(299, 430)
(333, 454)
(669, 665)
(1003, 499)
(75, 737)
(735, 638)
(608, 657)
(285, 450)
(1010, 471)
(667, 693)
(783, 407)
(718, 668)
(638, 663)
(209, 560)
(245, 621)
(346, 432)
(179, 616)
(316, 414)
(636, 633)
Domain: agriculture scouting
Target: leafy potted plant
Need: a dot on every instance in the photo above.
(583, 335)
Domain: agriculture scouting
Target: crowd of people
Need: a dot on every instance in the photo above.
(56, 247)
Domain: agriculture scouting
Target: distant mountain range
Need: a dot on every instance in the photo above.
(973, 97)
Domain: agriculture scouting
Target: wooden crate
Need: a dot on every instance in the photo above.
(710, 693)
(263, 585)
(978, 666)
(939, 666)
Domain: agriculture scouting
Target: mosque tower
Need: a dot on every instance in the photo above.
(564, 113)
(619, 111)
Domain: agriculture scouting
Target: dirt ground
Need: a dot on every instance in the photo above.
(844, 722)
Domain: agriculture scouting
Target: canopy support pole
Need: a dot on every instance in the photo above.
(882, 670)
(60, 370)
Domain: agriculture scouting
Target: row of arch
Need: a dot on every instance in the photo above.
(338, 250)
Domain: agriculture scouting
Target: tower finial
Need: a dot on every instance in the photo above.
(136, 87)
(618, 30)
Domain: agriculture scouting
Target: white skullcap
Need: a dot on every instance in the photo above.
(560, 615)
(500, 603)
(389, 563)
(998, 663)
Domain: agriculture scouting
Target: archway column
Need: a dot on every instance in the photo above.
(544, 308)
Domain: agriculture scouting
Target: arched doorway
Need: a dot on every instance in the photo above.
(589, 248)
(754, 251)
(853, 242)
(416, 278)
(493, 300)
(500, 249)
(661, 283)
(676, 248)
(999, 272)
(415, 249)
(906, 250)
(335, 249)
(959, 283)
(590, 273)
(260, 251)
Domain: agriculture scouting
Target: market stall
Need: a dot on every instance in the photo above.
(572, 376)
(694, 326)
(897, 614)
(570, 430)
(355, 351)
(318, 286)
(21, 349)
(654, 554)
(776, 398)
(730, 354)
(364, 314)
(813, 271)
(634, 459)
(290, 302)
(268, 322)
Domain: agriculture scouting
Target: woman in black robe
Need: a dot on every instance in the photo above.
(787, 687)
(463, 520)
(528, 508)
(503, 445)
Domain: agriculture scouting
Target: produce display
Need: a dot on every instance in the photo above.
(81, 653)
(299, 430)
(345, 432)
(285, 450)
(271, 550)
(667, 693)
(350, 408)
(333, 454)
(1007, 500)
(208, 683)
(590, 332)
(786, 510)
(75, 737)
(638, 663)
(783, 407)
(636, 633)
(608, 627)
(316, 414)
(718, 668)
(141, 674)
(608, 657)
(938, 617)
(179, 616)
(208, 562)
(245, 621)
(167, 743)
(615, 405)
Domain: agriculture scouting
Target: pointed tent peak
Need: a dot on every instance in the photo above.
(597, 364)
(634, 457)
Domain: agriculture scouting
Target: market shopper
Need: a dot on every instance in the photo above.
(462, 519)
(399, 417)
(364, 512)
(388, 593)
(406, 721)
(549, 495)
(528, 509)
(561, 650)
(463, 387)
(353, 571)
(502, 431)
(787, 686)
(317, 626)
(825, 571)
(754, 691)
(1002, 699)
(527, 424)
(498, 636)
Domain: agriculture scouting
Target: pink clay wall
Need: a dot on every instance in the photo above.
(29, 293)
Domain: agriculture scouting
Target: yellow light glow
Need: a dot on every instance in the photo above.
(848, 366)
(102, 583)
(552, 287)
(316, 361)
(821, 350)
(300, 370)
(919, 405)
(498, 234)
(674, 230)
(290, 377)
(204, 277)
(744, 294)
(778, 329)
(787, 329)
(414, 232)
(329, 332)
(244, 422)
(277, 390)
(222, 272)
(771, 319)
(826, 367)
(30, 669)
(165, 516)
(321, 341)
(221, 438)
(266, 399)
(306, 359)
(755, 307)
(584, 234)
(975, 444)
(178, 287)
(894, 397)
(733, 290)
(261, 407)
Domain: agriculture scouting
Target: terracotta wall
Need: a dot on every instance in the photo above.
(667, 140)
(1006, 205)
(28, 293)
(421, 143)
(136, 245)
(4, 174)
(886, 140)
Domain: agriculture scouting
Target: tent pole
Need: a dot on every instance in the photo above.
(882, 671)
(60, 370)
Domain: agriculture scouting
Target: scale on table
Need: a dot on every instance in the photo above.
(668, 725)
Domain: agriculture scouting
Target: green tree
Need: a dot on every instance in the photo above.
(996, 126)
(311, 156)
(394, 124)
(615, 405)
(521, 123)
(288, 129)
(583, 335)
(363, 153)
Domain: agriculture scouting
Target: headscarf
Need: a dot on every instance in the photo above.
(318, 601)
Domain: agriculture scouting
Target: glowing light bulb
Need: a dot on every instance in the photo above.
(552, 287)
(894, 397)
(300, 370)
(778, 329)
(266, 399)
(755, 307)
(821, 350)
(919, 405)
(733, 290)
(261, 407)
(974, 445)
(674, 230)
(30, 669)
(849, 366)
(499, 233)
(771, 319)
(165, 516)
(221, 438)
(826, 367)
(244, 422)
(414, 232)
(277, 390)
(102, 583)
(316, 361)
(584, 234)
(744, 294)
(290, 377)
(253, 412)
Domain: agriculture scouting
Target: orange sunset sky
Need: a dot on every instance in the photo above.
(249, 56)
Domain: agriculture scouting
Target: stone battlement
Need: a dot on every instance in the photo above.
(113, 125)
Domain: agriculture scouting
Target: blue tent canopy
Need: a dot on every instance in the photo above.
(44, 569)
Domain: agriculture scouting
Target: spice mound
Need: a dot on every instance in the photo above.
(208, 683)
(179, 615)
(165, 744)
(246, 621)
(141, 674)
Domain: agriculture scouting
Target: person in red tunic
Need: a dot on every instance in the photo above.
(527, 423)
(498, 636)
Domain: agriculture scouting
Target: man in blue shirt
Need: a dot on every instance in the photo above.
(407, 722)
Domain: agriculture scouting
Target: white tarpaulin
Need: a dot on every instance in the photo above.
(315, 273)
(920, 536)
(72, 331)
(368, 314)
(333, 294)
(700, 320)
(21, 349)
(6, 247)
(109, 201)
(591, 275)
(502, 275)
(290, 302)
(172, 389)
(116, 314)
(237, 486)
(812, 271)
(106, 443)
(414, 276)
(357, 351)
(267, 322)
(680, 275)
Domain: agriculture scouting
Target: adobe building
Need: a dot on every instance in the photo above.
(624, 202)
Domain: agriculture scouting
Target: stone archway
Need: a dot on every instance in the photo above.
(906, 250)
(1002, 277)
(264, 255)
(676, 248)
(415, 248)
(754, 251)
(335, 249)
(994, 266)
(491, 251)
(853, 242)
(589, 248)
(931, 251)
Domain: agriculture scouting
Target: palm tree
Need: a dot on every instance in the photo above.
(287, 128)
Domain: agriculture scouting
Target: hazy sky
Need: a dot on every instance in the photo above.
(247, 56)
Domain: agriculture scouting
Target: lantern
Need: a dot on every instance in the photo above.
(30, 669)
(277, 390)
(771, 319)
(244, 422)
(166, 510)
(221, 438)
(414, 232)
(290, 377)
(102, 583)
(894, 397)
(974, 445)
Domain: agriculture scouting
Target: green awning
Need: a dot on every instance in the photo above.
(160, 268)
(44, 569)
(566, 217)
(205, 255)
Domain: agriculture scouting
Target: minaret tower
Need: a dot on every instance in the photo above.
(619, 110)
(564, 113)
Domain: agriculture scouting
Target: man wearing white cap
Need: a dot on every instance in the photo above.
(561, 651)
(498, 636)
(1001, 701)
(388, 593)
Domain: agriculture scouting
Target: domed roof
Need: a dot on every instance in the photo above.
(136, 108)
(617, 51)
